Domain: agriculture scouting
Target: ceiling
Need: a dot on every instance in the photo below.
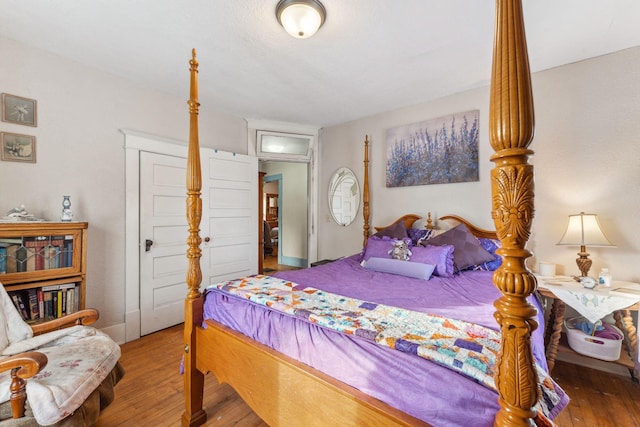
(369, 57)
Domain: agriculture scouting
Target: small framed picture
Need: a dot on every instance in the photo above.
(17, 147)
(19, 110)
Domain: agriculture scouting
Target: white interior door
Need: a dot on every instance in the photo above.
(163, 235)
(230, 216)
(229, 229)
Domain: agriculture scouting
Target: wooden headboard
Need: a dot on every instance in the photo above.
(410, 219)
(475, 230)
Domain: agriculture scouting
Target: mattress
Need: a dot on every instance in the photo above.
(423, 389)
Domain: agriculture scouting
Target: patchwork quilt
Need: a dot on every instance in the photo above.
(464, 347)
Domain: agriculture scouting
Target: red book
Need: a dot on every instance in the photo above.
(35, 251)
(41, 303)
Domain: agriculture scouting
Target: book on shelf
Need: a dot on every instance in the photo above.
(21, 259)
(43, 252)
(58, 287)
(41, 303)
(48, 305)
(11, 265)
(21, 302)
(70, 300)
(11, 245)
(35, 251)
(3, 258)
(34, 311)
(54, 305)
(59, 300)
(67, 251)
(51, 257)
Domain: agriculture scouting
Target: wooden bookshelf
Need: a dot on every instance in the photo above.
(37, 258)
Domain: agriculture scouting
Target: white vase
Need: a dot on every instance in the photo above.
(67, 213)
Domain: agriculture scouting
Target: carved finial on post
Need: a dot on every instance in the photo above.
(511, 127)
(429, 225)
(365, 192)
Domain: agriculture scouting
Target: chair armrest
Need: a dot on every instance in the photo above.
(22, 366)
(82, 317)
(28, 364)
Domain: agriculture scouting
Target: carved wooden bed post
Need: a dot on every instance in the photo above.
(193, 379)
(365, 192)
(511, 128)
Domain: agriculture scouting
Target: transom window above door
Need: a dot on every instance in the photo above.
(283, 146)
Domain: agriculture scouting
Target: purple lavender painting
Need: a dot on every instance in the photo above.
(435, 151)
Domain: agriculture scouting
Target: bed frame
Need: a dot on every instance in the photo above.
(285, 392)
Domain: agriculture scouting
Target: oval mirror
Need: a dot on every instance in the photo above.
(344, 196)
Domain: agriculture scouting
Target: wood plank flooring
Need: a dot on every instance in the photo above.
(150, 394)
(271, 265)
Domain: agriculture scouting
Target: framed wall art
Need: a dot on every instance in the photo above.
(434, 151)
(19, 110)
(18, 148)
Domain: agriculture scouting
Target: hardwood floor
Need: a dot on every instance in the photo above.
(271, 265)
(150, 394)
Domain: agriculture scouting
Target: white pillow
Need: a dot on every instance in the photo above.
(12, 328)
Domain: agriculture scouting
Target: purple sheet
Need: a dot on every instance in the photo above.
(418, 387)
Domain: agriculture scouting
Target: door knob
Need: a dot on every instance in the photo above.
(147, 245)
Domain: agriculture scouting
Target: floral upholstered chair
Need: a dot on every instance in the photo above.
(52, 373)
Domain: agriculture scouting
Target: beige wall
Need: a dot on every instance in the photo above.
(587, 156)
(80, 152)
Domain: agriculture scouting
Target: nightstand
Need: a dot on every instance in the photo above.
(563, 290)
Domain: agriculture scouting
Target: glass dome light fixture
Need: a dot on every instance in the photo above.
(301, 18)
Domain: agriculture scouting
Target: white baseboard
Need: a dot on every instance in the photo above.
(132, 325)
(116, 332)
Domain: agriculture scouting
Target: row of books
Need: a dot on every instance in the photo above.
(34, 253)
(47, 302)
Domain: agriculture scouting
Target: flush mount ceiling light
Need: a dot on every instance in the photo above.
(300, 18)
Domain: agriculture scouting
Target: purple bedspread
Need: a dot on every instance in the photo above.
(418, 387)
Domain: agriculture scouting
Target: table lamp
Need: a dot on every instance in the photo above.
(584, 229)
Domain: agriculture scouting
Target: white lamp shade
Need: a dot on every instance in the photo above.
(584, 230)
(301, 19)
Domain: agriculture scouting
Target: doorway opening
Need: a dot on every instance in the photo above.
(281, 147)
(285, 214)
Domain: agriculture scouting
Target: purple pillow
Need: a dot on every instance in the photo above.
(440, 256)
(380, 247)
(394, 231)
(468, 250)
(491, 245)
(418, 234)
(403, 268)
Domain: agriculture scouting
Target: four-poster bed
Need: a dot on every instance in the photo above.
(284, 391)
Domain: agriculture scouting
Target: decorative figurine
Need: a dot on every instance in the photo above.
(19, 213)
(67, 213)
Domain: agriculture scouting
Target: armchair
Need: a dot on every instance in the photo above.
(60, 372)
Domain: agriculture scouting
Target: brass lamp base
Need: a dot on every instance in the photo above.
(583, 261)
